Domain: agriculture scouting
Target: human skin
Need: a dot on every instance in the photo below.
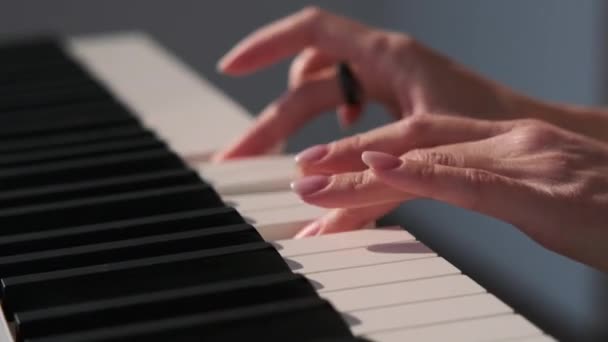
(549, 182)
(413, 82)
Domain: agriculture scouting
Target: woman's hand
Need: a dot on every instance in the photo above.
(393, 69)
(550, 183)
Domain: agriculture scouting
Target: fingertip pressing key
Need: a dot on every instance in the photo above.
(312, 229)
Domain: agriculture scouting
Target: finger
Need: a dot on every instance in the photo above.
(337, 36)
(284, 116)
(396, 138)
(340, 220)
(479, 154)
(358, 189)
(313, 64)
(475, 189)
(310, 64)
(348, 115)
(346, 190)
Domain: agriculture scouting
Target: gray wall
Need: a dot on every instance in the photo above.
(550, 49)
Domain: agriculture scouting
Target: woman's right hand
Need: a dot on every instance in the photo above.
(550, 183)
(395, 70)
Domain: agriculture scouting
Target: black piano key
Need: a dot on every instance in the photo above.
(90, 135)
(118, 230)
(292, 320)
(61, 119)
(41, 130)
(341, 339)
(107, 208)
(39, 50)
(116, 251)
(41, 85)
(103, 187)
(53, 96)
(58, 69)
(162, 305)
(68, 153)
(88, 168)
(102, 108)
(43, 290)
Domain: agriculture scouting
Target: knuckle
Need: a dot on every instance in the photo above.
(355, 143)
(417, 125)
(434, 157)
(441, 158)
(380, 43)
(395, 45)
(478, 177)
(347, 145)
(361, 180)
(535, 135)
(312, 13)
(404, 45)
(416, 154)
(423, 170)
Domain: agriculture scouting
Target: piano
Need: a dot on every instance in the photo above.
(115, 227)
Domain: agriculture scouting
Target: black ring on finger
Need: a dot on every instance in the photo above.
(351, 88)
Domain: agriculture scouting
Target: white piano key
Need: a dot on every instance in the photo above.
(6, 334)
(355, 257)
(382, 273)
(423, 313)
(282, 223)
(243, 176)
(344, 240)
(494, 328)
(193, 116)
(403, 292)
(263, 200)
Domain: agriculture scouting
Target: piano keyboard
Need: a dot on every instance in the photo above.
(114, 228)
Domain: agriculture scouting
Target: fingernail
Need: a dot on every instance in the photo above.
(311, 154)
(380, 161)
(220, 66)
(224, 64)
(309, 185)
(308, 231)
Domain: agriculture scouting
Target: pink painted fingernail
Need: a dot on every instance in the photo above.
(312, 154)
(309, 185)
(380, 160)
(222, 63)
(308, 231)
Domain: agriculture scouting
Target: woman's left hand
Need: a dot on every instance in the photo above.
(550, 183)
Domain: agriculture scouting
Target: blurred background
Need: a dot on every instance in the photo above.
(551, 49)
